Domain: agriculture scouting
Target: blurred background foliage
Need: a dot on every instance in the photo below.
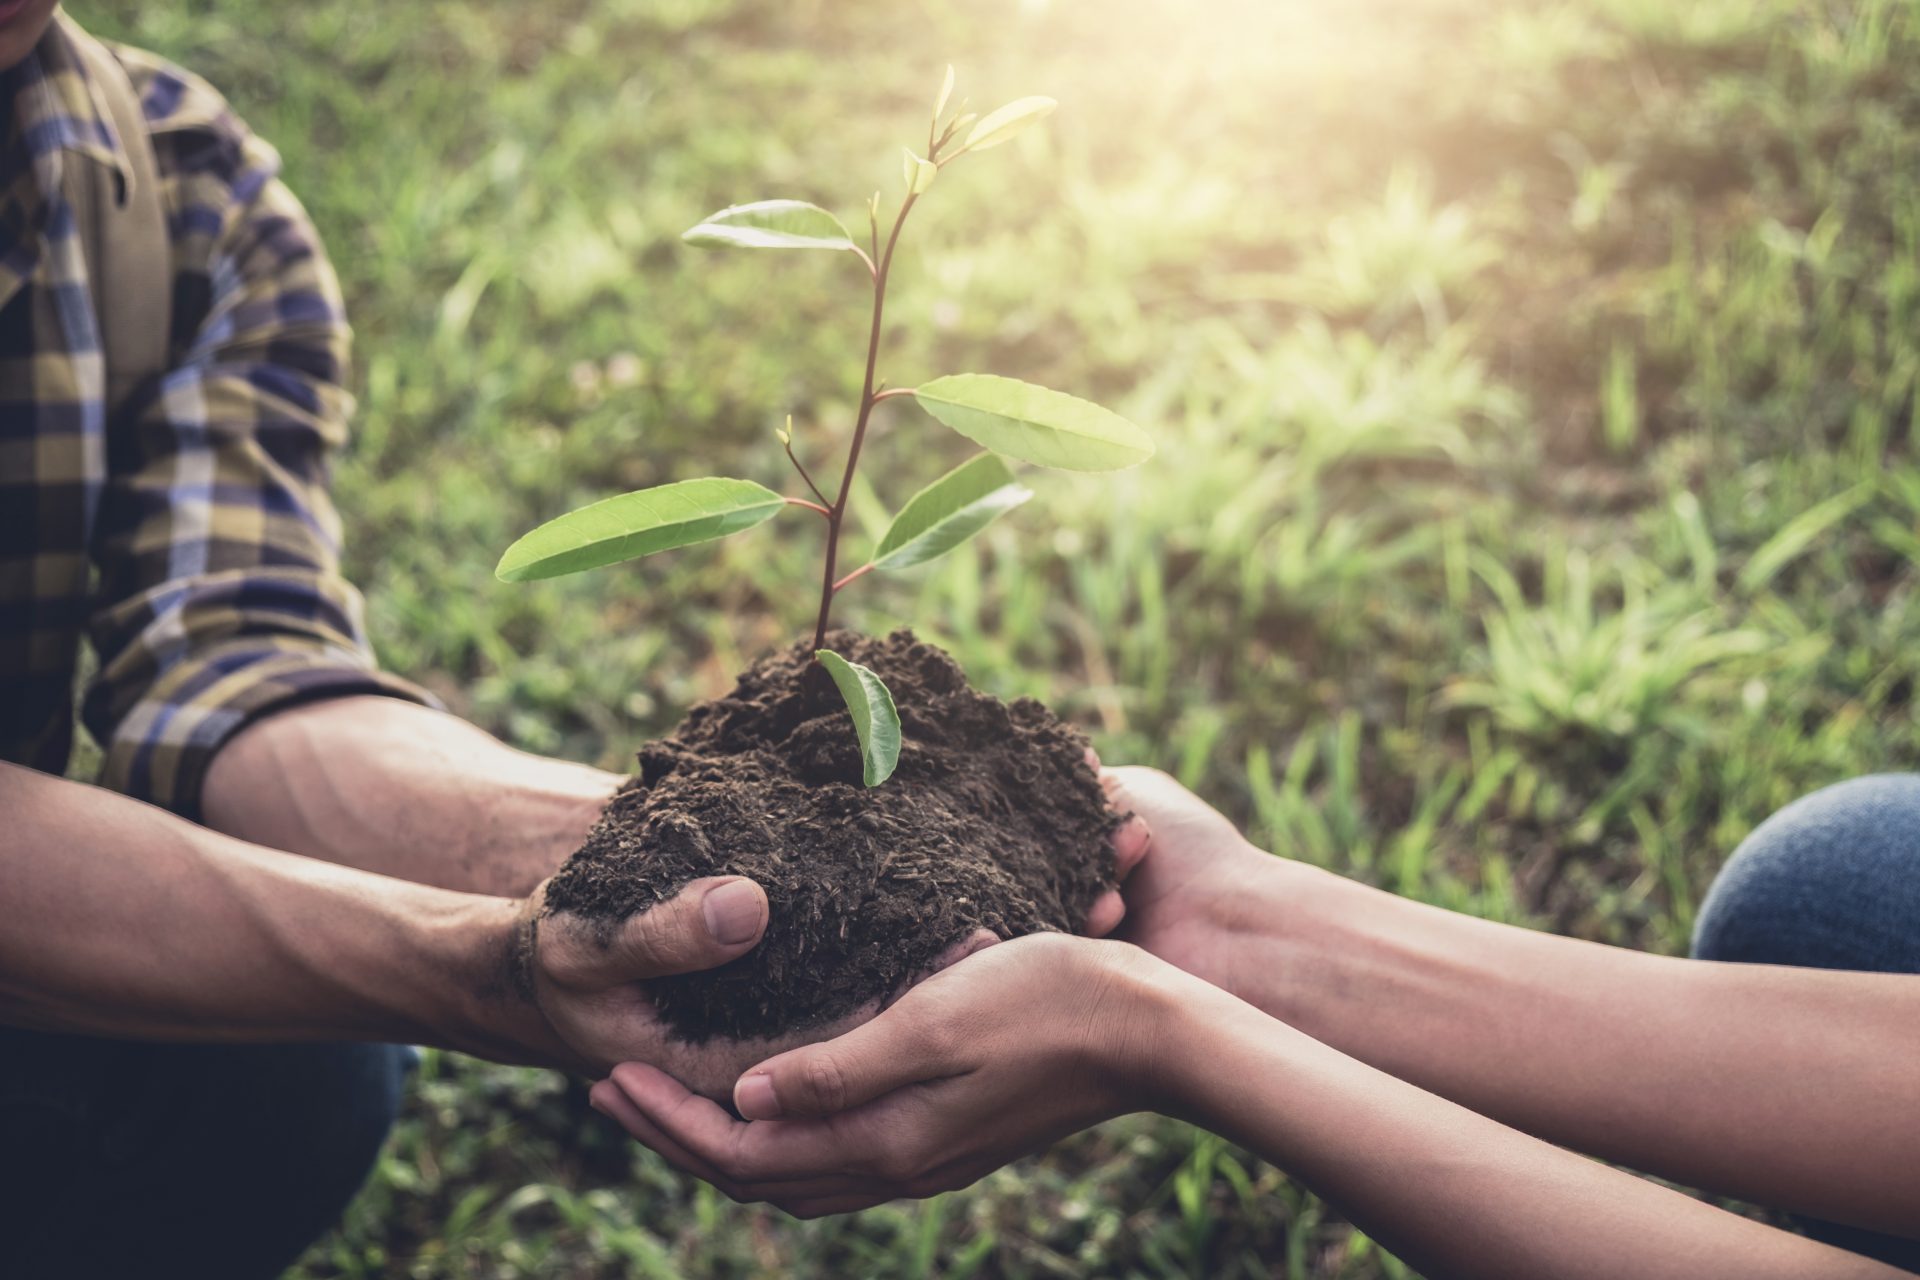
(1536, 507)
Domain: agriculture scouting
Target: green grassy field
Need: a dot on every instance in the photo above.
(1536, 508)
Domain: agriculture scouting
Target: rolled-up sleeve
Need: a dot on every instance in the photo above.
(220, 594)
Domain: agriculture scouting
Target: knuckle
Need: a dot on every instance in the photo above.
(897, 1166)
(666, 939)
(943, 1037)
(825, 1082)
(641, 949)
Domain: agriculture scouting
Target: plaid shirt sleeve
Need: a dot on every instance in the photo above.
(221, 598)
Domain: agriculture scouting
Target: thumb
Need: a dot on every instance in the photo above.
(710, 922)
(896, 1049)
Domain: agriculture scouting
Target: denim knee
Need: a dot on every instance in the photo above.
(1832, 881)
(235, 1157)
(319, 1115)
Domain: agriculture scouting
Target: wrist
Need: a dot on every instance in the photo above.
(1151, 1022)
(1192, 1019)
(485, 1003)
(1256, 930)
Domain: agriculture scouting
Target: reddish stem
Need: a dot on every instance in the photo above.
(861, 571)
(788, 443)
(811, 506)
(836, 516)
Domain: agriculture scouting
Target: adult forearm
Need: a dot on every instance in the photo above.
(1794, 1088)
(123, 920)
(401, 789)
(1451, 1191)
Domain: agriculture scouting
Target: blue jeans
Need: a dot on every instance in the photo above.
(1832, 881)
(221, 1162)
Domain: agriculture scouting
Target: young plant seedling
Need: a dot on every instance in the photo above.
(1010, 419)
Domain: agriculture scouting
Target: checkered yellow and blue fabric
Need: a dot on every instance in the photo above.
(190, 540)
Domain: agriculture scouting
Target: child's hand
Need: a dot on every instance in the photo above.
(1005, 1052)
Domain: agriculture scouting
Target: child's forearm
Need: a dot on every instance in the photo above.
(1795, 1088)
(1450, 1191)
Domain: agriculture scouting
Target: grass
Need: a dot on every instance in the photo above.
(1536, 511)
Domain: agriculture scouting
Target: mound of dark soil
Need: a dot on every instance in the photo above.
(992, 820)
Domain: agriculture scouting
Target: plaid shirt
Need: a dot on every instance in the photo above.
(202, 512)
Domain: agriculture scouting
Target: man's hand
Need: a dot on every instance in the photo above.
(998, 1056)
(586, 978)
(575, 996)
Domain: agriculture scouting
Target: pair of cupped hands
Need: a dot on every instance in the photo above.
(1007, 1048)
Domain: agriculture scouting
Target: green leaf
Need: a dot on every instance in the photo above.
(1034, 424)
(917, 173)
(638, 524)
(946, 91)
(771, 224)
(875, 720)
(949, 511)
(1799, 533)
(997, 126)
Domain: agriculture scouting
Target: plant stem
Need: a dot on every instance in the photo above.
(836, 514)
(863, 569)
(803, 473)
(811, 506)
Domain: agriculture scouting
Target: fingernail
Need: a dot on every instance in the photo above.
(733, 912)
(754, 1098)
(593, 1100)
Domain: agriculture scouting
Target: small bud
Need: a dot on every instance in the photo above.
(785, 433)
(917, 173)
